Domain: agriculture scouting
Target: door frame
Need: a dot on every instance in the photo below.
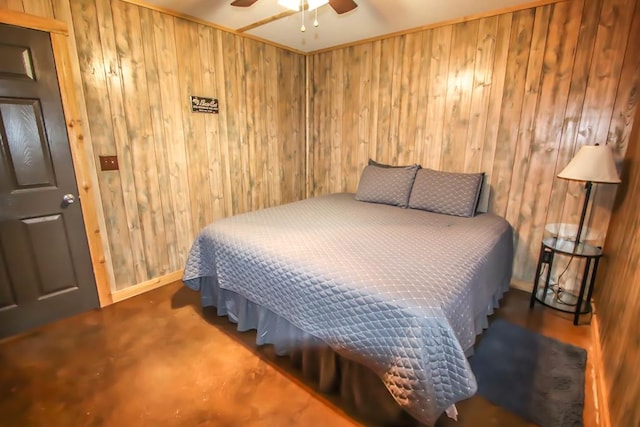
(85, 177)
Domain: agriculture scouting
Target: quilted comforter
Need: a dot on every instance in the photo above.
(402, 291)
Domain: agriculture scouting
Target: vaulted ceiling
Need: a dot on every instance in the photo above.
(267, 20)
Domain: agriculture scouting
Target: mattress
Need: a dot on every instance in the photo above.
(401, 291)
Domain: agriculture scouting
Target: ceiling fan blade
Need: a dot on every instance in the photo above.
(342, 6)
(243, 3)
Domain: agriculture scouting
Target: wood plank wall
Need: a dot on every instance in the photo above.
(513, 95)
(179, 170)
(618, 294)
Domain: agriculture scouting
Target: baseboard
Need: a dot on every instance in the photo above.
(143, 287)
(601, 394)
(522, 285)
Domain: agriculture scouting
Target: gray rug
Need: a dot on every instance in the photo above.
(538, 378)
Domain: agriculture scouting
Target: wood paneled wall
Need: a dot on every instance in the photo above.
(618, 294)
(179, 170)
(513, 95)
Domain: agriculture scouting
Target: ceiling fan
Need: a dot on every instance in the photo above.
(340, 6)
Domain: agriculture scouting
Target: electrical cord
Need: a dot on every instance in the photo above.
(560, 290)
(556, 289)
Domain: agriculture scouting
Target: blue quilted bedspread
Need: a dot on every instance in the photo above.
(402, 291)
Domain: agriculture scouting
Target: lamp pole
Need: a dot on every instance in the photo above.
(584, 212)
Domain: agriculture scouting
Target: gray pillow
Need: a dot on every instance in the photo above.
(446, 192)
(391, 186)
(382, 165)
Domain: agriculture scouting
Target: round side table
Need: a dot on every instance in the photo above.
(555, 298)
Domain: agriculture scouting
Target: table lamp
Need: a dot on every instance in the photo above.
(592, 163)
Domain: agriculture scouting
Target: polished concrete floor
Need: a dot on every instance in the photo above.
(159, 360)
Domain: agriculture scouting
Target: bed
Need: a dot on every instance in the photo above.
(402, 291)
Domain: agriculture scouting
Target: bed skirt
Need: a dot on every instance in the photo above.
(356, 386)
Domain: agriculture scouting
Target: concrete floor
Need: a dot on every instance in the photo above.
(159, 360)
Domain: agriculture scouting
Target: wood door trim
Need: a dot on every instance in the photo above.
(33, 22)
(59, 33)
(76, 141)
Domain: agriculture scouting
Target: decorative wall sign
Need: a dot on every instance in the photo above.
(202, 104)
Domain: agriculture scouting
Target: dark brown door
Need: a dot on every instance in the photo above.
(45, 267)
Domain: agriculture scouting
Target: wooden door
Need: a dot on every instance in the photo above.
(45, 265)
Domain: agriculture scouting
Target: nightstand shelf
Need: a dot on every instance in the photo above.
(555, 297)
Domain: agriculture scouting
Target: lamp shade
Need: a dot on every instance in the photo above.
(592, 163)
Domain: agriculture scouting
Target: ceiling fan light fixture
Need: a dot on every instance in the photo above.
(314, 4)
(290, 4)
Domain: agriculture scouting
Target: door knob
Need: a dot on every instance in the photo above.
(68, 199)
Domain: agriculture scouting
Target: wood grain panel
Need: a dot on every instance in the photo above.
(39, 8)
(214, 169)
(618, 293)
(349, 158)
(318, 146)
(511, 107)
(624, 105)
(579, 79)
(555, 80)
(458, 98)
(218, 59)
(158, 146)
(15, 5)
(94, 83)
(518, 188)
(115, 95)
(405, 125)
(494, 109)
(291, 127)
(480, 93)
(140, 134)
(602, 90)
(197, 157)
(179, 170)
(176, 189)
(388, 55)
(513, 95)
(420, 98)
(437, 90)
(395, 97)
(336, 103)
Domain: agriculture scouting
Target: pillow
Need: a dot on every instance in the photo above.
(446, 192)
(382, 165)
(391, 186)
